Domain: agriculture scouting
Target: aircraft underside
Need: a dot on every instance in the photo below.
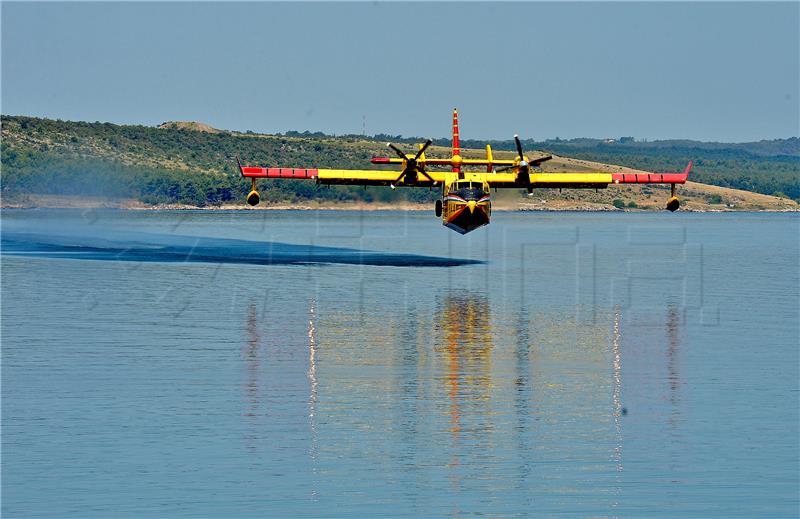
(465, 221)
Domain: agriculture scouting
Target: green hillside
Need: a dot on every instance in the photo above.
(169, 164)
(194, 164)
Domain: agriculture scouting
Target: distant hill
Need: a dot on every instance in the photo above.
(765, 148)
(193, 163)
(188, 125)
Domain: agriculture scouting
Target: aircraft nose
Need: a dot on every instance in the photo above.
(471, 204)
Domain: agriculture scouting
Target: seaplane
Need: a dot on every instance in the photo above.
(465, 183)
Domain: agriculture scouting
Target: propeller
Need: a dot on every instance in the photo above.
(524, 169)
(412, 166)
(522, 161)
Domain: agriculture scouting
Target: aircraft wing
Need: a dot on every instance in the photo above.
(364, 177)
(585, 179)
(552, 180)
(360, 177)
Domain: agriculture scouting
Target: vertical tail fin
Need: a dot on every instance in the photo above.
(456, 145)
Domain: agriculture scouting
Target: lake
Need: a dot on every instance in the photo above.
(352, 364)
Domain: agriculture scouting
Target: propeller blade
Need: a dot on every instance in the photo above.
(423, 148)
(397, 181)
(425, 173)
(397, 150)
(519, 147)
(538, 162)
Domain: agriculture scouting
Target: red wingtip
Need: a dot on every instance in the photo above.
(688, 168)
(380, 160)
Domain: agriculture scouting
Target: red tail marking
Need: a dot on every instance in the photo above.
(456, 145)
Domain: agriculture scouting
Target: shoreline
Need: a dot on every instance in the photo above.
(81, 203)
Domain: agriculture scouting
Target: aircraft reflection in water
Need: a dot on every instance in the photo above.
(617, 403)
(490, 396)
(251, 354)
(648, 380)
(313, 450)
(673, 332)
(465, 347)
(673, 344)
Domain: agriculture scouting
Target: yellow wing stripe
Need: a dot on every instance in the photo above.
(356, 174)
(373, 177)
(571, 178)
(545, 179)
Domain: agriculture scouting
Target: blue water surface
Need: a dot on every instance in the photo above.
(367, 364)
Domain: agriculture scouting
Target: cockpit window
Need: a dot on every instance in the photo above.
(469, 189)
(468, 185)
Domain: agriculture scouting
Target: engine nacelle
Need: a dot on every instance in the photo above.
(253, 198)
(673, 204)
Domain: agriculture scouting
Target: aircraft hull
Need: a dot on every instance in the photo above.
(460, 217)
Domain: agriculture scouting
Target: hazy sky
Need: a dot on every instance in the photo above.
(711, 71)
